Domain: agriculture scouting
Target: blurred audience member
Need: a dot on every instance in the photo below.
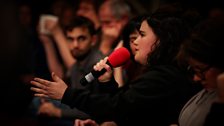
(202, 51)
(89, 9)
(215, 115)
(79, 52)
(113, 15)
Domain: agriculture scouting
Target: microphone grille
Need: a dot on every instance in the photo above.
(119, 57)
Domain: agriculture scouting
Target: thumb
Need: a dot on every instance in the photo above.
(55, 77)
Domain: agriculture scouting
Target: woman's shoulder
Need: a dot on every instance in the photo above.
(164, 77)
(167, 74)
(168, 70)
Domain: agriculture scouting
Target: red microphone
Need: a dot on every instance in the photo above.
(117, 58)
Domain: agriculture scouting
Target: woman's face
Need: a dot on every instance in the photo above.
(132, 37)
(205, 74)
(144, 43)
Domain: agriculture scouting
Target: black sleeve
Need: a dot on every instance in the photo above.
(215, 116)
(108, 87)
(148, 94)
(73, 114)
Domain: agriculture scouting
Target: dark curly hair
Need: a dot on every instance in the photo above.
(80, 21)
(171, 32)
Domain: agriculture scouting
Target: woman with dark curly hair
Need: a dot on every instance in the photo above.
(155, 98)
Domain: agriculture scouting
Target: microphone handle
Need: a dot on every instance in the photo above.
(93, 75)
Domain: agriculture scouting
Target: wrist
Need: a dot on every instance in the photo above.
(57, 30)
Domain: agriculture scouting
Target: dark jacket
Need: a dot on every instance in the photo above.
(155, 98)
(215, 116)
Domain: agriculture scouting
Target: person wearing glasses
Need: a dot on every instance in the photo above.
(203, 52)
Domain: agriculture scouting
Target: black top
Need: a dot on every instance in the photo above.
(155, 98)
(215, 116)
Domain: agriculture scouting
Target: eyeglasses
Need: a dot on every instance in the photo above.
(200, 72)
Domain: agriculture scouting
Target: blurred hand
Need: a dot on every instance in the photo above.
(48, 25)
(52, 25)
(48, 109)
(49, 89)
(87, 122)
(44, 38)
(99, 66)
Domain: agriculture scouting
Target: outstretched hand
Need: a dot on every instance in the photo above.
(49, 89)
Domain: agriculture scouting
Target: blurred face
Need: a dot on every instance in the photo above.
(87, 10)
(204, 73)
(132, 37)
(80, 42)
(110, 25)
(144, 43)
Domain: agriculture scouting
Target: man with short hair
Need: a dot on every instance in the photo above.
(78, 53)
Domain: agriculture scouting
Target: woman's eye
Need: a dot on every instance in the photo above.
(142, 33)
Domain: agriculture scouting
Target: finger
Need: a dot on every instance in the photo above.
(90, 122)
(77, 122)
(37, 84)
(43, 81)
(55, 77)
(95, 67)
(106, 58)
(104, 61)
(98, 66)
(80, 123)
(101, 64)
(107, 67)
(38, 90)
